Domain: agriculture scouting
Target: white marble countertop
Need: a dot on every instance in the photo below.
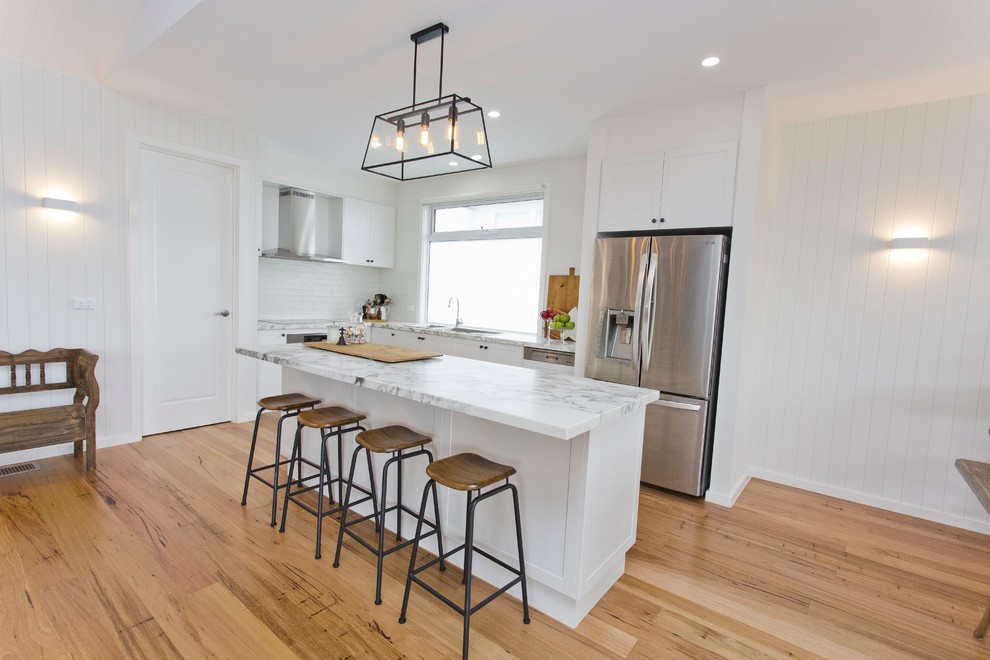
(552, 404)
(511, 338)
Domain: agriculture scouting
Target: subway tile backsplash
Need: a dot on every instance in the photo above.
(305, 289)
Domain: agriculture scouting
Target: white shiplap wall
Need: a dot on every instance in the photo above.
(66, 137)
(876, 369)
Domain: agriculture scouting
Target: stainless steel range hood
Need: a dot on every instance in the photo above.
(297, 228)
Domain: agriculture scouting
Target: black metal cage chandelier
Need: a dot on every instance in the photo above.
(443, 135)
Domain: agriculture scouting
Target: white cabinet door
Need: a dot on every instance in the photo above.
(479, 349)
(677, 189)
(498, 353)
(367, 233)
(698, 184)
(630, 193)
(401, 338)
(381, 236)
(354, 231)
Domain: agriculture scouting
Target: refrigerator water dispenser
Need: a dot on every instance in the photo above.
(619, 334)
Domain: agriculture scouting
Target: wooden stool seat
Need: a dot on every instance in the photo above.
(391, 438)
(468, 471)
(322, 418)
(283, 402)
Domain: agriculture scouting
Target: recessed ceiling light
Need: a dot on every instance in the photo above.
(453, 163)
(710, 61)
(494, 114)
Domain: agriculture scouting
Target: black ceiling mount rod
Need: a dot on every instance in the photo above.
(421, 37)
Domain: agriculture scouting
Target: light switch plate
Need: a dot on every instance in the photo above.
(84, 303)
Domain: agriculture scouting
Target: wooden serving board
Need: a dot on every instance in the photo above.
(562, 292)
(562, 295)
(377, 352)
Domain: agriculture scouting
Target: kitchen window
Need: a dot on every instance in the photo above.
(489, 255)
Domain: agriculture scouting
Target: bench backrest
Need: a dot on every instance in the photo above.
(26, 372)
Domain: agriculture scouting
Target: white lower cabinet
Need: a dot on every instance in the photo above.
(476, 349)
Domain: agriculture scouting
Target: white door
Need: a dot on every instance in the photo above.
(186, 213)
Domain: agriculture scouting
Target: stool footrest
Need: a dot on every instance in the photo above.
(336, 509)
(398, 546)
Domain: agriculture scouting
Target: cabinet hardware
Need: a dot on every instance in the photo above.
(654, 221)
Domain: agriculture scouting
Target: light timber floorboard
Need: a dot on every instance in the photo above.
(152, 556)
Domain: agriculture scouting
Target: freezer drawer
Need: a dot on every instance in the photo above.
(674, 445)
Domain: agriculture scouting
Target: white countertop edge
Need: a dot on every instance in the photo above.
(564, 419)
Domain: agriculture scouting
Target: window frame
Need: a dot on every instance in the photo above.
(430, 235)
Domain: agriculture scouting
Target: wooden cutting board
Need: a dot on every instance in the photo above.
(377, 352)
(562, 292)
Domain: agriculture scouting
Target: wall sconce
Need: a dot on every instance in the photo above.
(910, 243)
(60, 204)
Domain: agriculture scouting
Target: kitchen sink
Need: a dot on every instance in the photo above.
(450, 328)
(473, 331)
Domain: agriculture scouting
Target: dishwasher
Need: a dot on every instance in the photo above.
(302, 338)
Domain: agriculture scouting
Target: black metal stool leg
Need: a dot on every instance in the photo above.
(415, 548)
(296, 452)
(324, 470)
(522, 561)
(379, 517)
(398, 510)
(278, 460)
(468, 552)
(346, 504)
(467, 521)
(436, 514)
(254, 442)
(381, 532)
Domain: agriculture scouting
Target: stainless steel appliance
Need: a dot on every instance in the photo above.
(302, 338)
(656, 322)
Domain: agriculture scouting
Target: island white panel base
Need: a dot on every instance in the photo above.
(578, 497)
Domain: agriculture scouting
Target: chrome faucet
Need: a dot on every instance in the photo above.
(457, 321)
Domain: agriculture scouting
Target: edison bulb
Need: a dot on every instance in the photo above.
(400, 136)
(424, 130)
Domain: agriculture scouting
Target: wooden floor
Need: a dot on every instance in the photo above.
(153, 556)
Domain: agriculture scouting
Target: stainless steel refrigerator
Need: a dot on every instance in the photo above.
(656, 322)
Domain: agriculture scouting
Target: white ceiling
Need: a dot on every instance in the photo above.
(314, 73)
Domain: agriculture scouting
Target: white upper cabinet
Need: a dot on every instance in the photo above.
(676, 189)
(368, 233)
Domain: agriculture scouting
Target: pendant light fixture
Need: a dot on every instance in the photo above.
(437, 148)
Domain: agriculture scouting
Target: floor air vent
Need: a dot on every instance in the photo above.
(9, 470)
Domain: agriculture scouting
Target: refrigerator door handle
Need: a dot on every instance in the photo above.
(678, 405)
(646, 326)
(637, 317)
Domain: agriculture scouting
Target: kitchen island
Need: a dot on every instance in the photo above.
(576, 445)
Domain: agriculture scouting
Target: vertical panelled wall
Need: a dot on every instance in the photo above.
(65, 137)
(876, 371)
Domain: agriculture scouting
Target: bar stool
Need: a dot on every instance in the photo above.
(387, 440)
(289, 405)
(333, 421)
(469, 473)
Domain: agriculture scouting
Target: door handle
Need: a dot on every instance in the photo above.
(224, 312)
(680, 406)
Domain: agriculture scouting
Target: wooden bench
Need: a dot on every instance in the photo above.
(31, 371)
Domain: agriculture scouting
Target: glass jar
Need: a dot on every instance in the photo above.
(354, 333)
